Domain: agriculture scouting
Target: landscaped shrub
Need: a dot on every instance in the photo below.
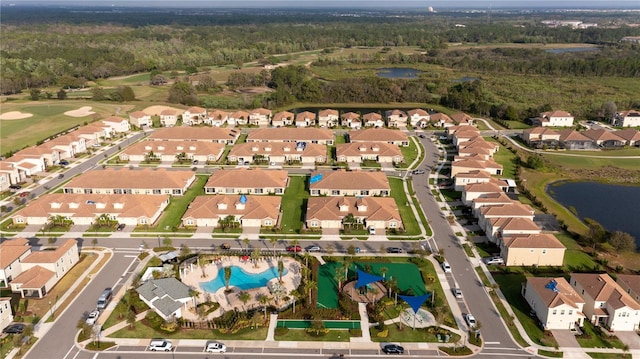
(137, 305)
(383, 333)
(169, 327)
(154, 320)
(355, 332)
(281, 330)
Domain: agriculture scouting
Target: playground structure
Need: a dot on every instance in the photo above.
(369, 293)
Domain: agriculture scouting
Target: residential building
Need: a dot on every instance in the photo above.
(460, 180)
(419, 118)
(282, 119)
(541, 136)
(489, 199)
(630, 283)
(499, 228)
(217, 118)
(349, 183)
(310, 135)
(629, 118)
(328, 118)
(196, 134)
(168, 117)
(556, 119)
(440, 119)
(541, 249)
(117, 124)
(397, 118)
(6, 313)
(606, 303)
(556, 304)
(372, 119)
(41, 270)
(12, 253)
(604, 138)
(246, 210)
(84, 209)
(357, 152)
(278, 152)
(371, 212)
(305, 119)
(152, 181)
(173, 151)
(462, 119)
(574, 140)
(238, 118)
(630, 136)
(351, 120)
(380, 135)
(247, 181)
(468, 165)
(260, 117)
(166, 296)
(194, 115)
(513, 210)
(474, 190)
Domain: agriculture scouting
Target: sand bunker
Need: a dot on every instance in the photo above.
(81, 112)
(15, 115)
(155, 110)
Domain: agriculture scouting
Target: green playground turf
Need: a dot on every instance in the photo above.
(407, 275)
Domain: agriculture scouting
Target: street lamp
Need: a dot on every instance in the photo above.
(158, 241)
(51, 309)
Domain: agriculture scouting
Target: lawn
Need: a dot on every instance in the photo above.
(408, 219)
(294, 204)
(172, 217)
(593, 338)
(506, 158)
(143, 331)
(48, 119)
(408, 334)
(418, 206)
(298, 335)
(410, 153)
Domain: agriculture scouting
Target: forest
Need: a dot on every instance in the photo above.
(72, 49)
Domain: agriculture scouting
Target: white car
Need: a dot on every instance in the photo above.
(93, 317)
(160, 345)
(446, 267)
(471, 320)
(457, 292)
(494, 260)
(214, 347)
(372, 230)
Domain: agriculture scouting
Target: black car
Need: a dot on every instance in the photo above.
(393, 349)
(120, 226)
(395, 250)
(15, 186)
(60, 176)
(16, 328)
(63, 163)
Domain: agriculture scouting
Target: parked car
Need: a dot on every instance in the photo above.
(471, 320)
(15, 328)
(120, 226)
(24, 194)
(313, 248)
(393, 349)
(294, 249)
(15, 186)
(418, 172)
(160, 345)
(421, 136)
(215, 347)
(493, 260)
(195, 162)
(446, 267)
(457, 292)
(60, 176)
(93, 317)
(225, 246)
(64, 163)
(372, 230)
(395, 250)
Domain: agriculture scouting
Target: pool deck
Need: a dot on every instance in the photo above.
(193, 276)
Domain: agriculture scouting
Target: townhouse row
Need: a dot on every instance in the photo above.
(540, 137)
(244, 197)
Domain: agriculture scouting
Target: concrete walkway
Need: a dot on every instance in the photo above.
(273, 321)
(364, 325)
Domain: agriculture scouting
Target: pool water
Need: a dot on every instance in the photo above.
(241, 279)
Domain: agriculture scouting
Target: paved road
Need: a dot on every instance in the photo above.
(59, 340)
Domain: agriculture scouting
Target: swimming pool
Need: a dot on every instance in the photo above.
(241, 279)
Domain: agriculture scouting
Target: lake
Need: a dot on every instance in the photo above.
(613, 206)
(572, 49)
(398, 73)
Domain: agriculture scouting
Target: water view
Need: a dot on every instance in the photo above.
(398, 73)
(241, 279)
(613, 206)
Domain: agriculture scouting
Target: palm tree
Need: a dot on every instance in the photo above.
(280, 268)
(227, 277)
(273, 241)
(306, 257)
(294, 294)
(329, 248)
(349, 221)
(246, 242)
(339, 277)
(374, 291)
(255, 255)
(244, 298)
(194, 295)
(384, 271)
(308, 287)
(263, 299)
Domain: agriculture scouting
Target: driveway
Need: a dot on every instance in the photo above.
(629, 338)
(251, 232)
(565, 339)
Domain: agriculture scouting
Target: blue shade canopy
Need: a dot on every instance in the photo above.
(415, 301)
(365, 278)
(243, 199)
(553, 285)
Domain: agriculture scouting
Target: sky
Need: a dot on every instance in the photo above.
(496, 4)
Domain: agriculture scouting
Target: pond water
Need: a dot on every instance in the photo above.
(398, 73)
(572, 49)
(613, 206)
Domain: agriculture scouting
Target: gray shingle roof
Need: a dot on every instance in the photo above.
(164, 294)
